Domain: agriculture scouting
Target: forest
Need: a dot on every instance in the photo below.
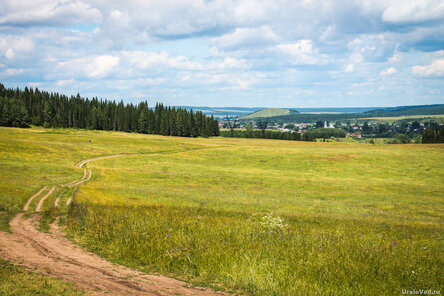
(21, 108)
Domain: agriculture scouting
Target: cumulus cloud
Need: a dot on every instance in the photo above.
(436, 68)
(13, 72)
(222, 81)
(102, 65)
(349, 68)
(246, 37)
(414, 11)
(47, 12)
(388, 72)
(15, 47)
(86, 67)
(163, 60)
(273, 47)
(397, 57)
(373, 48)
(303, 52)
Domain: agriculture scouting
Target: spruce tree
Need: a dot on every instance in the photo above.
(6, 115)
(441, 135)
(164, 125)
(143, 122)
(47, 115)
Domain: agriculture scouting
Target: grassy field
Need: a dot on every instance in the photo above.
(15, 280)
(262, 217)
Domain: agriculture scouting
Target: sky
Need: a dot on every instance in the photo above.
(249, 53)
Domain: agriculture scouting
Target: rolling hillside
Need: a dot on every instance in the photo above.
(270, 112)
(258, 217)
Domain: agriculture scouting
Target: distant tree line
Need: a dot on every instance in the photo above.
(267, 134)
(21, 108)
(326, 133)
(433, 134)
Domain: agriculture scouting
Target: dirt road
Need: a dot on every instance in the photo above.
(52, 254)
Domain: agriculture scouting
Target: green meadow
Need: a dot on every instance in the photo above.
(252, 216)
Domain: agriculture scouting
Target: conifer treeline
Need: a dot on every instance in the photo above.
(20, 108)
(433, 134)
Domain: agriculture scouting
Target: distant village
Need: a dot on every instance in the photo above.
(357, 130)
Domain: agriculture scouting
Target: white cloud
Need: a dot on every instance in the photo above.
(162, 61)
(95, 67)
(102, 65)
(302, 52)
(436, 68)
(439, 53)
(371, 47)
(303, 47)
(65, 82)
(397, 57)
(388, 72)
(13, 72)
(9, 54)
(154, 81)
(414, 11)
(16, 47)
(47, 12)
(146, 60)
(228, 64)
(246, 37)
(120, 48)
(349, 68)
(255, 11)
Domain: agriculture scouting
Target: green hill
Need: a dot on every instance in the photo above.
(408, 110)
(269, 112)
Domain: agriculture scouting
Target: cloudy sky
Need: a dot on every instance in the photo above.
(278, 53)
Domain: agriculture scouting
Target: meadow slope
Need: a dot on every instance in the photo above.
(260, 217)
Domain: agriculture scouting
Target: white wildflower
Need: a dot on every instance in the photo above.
(272, 223)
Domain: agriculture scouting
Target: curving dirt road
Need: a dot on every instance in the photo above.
(52, 254)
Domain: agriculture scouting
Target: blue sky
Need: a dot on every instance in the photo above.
(280, 53)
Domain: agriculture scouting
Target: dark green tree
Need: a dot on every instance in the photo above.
(319, 124)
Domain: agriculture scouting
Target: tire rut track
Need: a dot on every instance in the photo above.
(28, 203)
(53, 254)
(39, 205)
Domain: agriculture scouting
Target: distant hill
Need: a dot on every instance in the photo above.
(269, 112)
(407, 110)
(330, 110)
(222, 111)
(382, 112)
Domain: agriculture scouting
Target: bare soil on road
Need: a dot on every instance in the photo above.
(52, 254)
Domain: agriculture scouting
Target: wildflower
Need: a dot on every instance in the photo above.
(273, 223)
